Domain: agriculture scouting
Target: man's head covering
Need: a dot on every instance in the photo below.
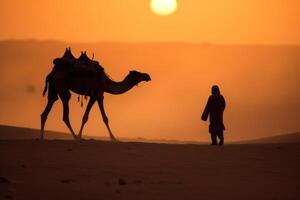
(215, 90)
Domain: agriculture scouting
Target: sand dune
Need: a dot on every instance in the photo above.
(21, 133)
(284, 138)
(65, 169)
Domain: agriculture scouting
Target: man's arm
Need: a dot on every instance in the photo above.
(223, 108)
(206, 110)
(223, 103)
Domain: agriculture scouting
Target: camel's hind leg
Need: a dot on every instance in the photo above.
(52, 97)
(86, 115)
(65, 97)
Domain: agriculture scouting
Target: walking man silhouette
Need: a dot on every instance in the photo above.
(214, 108)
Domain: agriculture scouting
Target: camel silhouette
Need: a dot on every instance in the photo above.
(84, 77)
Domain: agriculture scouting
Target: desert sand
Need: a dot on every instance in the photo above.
(93, 169)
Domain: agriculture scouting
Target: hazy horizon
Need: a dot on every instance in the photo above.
(259, 104)
(144, 42)
(250, 48)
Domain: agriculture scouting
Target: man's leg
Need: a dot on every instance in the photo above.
(221, 137)
(213, 138)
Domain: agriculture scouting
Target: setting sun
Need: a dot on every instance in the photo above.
(163, 7)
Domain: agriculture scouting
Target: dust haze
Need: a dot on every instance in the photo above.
(260, 84)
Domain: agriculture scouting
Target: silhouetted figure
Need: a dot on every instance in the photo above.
(214, 108)
(84, 77)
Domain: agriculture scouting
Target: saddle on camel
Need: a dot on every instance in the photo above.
(83, 65)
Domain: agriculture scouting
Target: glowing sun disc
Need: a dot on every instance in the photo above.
(163, 7)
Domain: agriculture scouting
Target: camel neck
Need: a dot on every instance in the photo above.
(114, 87)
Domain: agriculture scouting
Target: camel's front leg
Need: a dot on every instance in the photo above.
(105, 119)
(86, 115)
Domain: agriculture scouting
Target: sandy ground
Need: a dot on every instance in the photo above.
(60, 169)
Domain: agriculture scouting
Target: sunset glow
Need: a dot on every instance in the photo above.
(163, 7)
(249, 48)
(230, 22)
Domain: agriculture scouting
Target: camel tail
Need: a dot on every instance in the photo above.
(46, 84)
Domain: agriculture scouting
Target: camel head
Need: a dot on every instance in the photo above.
(136, 77)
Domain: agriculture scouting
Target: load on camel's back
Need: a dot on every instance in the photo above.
(83, 65)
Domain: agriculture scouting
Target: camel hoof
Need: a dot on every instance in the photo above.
(114, 139)
(79, 138)
(76, 138)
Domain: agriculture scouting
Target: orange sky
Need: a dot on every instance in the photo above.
(260, 82)
(214, 21)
